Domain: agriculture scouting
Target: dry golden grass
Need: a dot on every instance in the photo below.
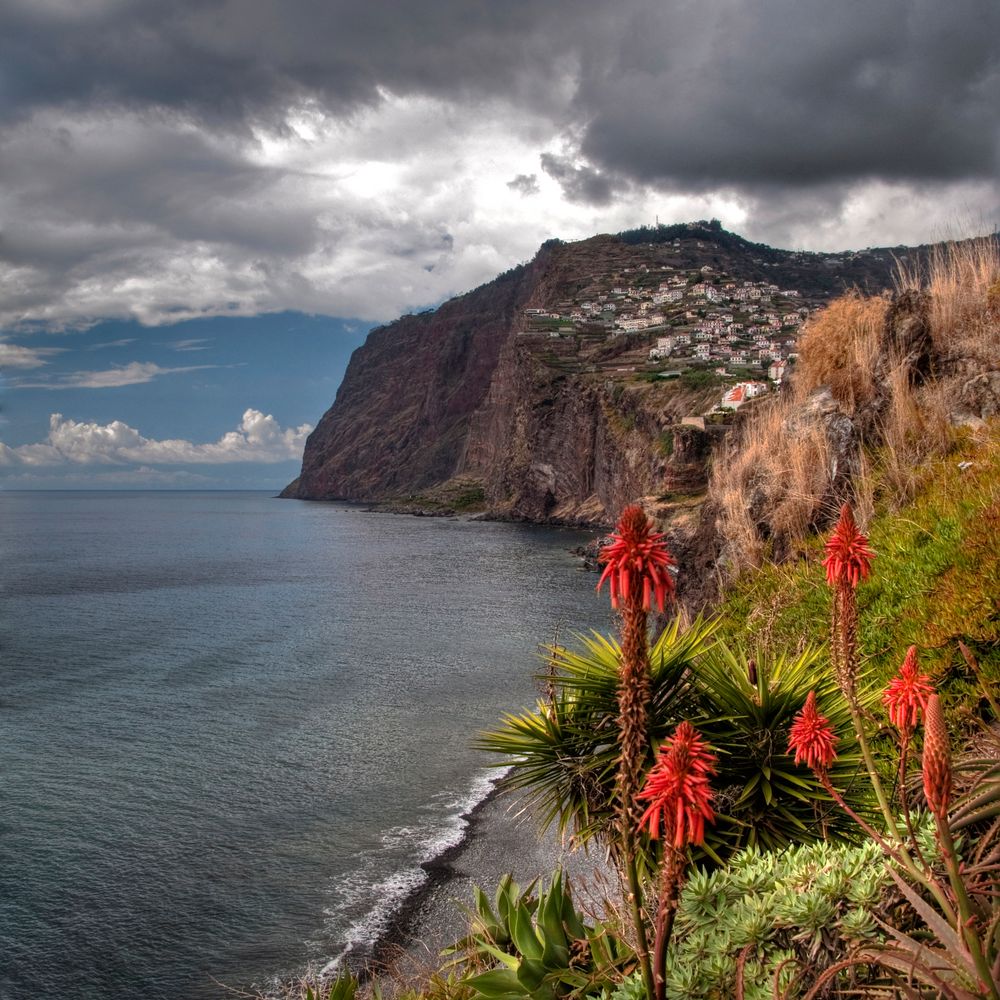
(915, 426)
(839, 348)
(774, 486)
(777, 483)
(964, 282)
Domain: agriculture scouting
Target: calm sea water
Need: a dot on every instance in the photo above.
(231, 727)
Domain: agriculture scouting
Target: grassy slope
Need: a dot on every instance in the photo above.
(936, 579)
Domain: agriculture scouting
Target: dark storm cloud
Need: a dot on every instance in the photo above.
(579, 183)
(241, 61)
(684, 92)
(525, 184)
(795, 93)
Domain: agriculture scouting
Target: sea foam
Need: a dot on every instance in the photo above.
(379, 893)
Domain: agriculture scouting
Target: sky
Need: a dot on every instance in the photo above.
(205, 204)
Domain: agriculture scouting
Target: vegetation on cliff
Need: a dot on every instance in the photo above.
(895, 407)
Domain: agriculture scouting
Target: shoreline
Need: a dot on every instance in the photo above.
(499, 838)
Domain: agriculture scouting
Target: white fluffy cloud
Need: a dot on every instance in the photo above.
(17, 356)
(259, 438)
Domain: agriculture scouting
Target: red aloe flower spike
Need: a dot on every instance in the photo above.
(812, 738)
(637, 562)
(678, 788)
(937, 759)
(848, 559)
(907, 693)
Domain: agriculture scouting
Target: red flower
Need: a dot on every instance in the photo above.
(678, 789)
(907, 693)
(637, 554)
(811, 738)
(848, 558)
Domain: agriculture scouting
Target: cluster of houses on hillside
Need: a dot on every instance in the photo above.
(723, 345)
(710, 316)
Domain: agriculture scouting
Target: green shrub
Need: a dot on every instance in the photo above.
(776, 914)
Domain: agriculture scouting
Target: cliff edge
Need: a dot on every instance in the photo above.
(574, 384)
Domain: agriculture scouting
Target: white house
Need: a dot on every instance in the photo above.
(741, 393)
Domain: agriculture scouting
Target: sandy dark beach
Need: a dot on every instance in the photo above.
(500, 838)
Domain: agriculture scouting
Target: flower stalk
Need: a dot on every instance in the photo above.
(813, 741)
(637, 568)
(937, 790)
(848, 562)
(679, 795)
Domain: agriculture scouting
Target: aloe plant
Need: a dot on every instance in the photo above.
(564, 754)
(949, 944)
(747, 704)
(537, 946)
(344, 987)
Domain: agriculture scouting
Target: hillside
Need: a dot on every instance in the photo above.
(557, 391)
(894, 408)
(936, 578)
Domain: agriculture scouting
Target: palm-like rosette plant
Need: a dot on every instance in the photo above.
(763, 799)
(564, 754)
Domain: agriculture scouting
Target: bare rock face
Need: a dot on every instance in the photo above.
(907, 338)
(554, 448)
(695, 543)
(690, 447)
(465, 392)
(979, 396)
(401, 418)
(822, 410)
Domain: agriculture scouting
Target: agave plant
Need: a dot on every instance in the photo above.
(763, 799)
(564, 754)
(525, 945)
(344, 987)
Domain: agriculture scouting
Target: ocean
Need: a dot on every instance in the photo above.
(233, 727)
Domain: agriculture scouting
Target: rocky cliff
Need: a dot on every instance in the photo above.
(530, 392)
(400, 422)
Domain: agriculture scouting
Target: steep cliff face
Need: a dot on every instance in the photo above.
(401, 417)
(463, 392)
(545, 405)
(466, 392)
(556, 446)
